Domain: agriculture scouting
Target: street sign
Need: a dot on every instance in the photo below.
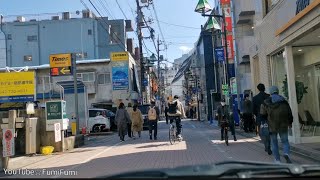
(17, 87)
(60, 64)
(225, 92)
(120, 56)
(145, 82)
(225, 87)
(219, 53)
(55, 113)
(57, 132)
(8, 142)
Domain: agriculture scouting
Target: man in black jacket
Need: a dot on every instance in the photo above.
(257, 101)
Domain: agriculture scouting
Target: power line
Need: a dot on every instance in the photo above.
(177, 25)
(156, 15)
(105, 23)
(121, 9)
(103, 7)
(108, 10)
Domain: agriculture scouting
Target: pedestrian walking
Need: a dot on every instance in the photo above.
(224, 118)
(191, 112)
(137, 121)
(247, 114)
(280, 119)
(153, 117)
(264, 128)
(257, 101)
(122, 119)
(166, 114)
(176, 112)
(129, 109)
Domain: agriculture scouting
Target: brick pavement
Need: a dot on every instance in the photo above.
(201, 145)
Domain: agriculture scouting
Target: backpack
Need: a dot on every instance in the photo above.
(173, 108)
(152, 114)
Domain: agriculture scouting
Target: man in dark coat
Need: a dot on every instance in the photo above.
(280, 119)
(247, 114)
(257, 101)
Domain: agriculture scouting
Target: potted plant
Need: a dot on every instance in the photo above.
(300, 89)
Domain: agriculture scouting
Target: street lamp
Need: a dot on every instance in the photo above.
(203, 7)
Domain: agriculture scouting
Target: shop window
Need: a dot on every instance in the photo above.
(27, 58)
(32, 38)
(86, 77)
(43, 80)
(278, 71)
(104, 78)
(114, 35)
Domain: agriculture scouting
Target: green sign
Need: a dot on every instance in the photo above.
(225, 92)
(56, 110)
(225, 87)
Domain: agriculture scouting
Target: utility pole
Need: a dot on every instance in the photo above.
(158, 55)
(140, 49)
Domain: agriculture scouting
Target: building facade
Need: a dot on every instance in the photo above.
(30, 40)
(286, 54)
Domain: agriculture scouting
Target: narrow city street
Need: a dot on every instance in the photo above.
(106, 155)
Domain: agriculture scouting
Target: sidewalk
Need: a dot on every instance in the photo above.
(306, 150)
(26, 160)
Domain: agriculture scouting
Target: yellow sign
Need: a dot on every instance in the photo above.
(119, 56)
(17, 86)
(60, 60)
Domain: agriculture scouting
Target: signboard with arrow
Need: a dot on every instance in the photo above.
(60, 64)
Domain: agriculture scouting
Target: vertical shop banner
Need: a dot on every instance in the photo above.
(230, 46)
(225, 2)
(227, 12)
(120, 78)
(220, 54)
(228, 24)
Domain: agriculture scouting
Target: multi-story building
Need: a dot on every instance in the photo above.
(286, 54)
(31, 39)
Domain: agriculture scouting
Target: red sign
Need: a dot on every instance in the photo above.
(225, 2)
(229, 24)
(8, 135)
(230, 46)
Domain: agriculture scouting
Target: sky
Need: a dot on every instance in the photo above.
(179, 23)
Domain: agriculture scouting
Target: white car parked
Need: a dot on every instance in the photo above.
(98, 120)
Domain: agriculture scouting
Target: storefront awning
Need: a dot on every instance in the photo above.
(68, 86)
(184, 67)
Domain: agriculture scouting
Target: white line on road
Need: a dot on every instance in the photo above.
(90, 158)
(193, 126)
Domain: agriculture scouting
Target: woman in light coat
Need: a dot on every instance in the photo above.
(122, 119)
(137, 121)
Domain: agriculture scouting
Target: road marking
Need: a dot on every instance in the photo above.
(89, 159)
(193, 126)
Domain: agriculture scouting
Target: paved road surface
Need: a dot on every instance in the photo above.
(106, 155)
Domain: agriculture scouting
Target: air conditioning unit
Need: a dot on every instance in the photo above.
(55, 18)
(66, 15)
(21, 19)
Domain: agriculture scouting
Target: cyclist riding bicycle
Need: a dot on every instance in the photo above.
(176, 113)
(225, 119)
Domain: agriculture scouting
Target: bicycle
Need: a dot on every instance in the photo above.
(173, 133)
